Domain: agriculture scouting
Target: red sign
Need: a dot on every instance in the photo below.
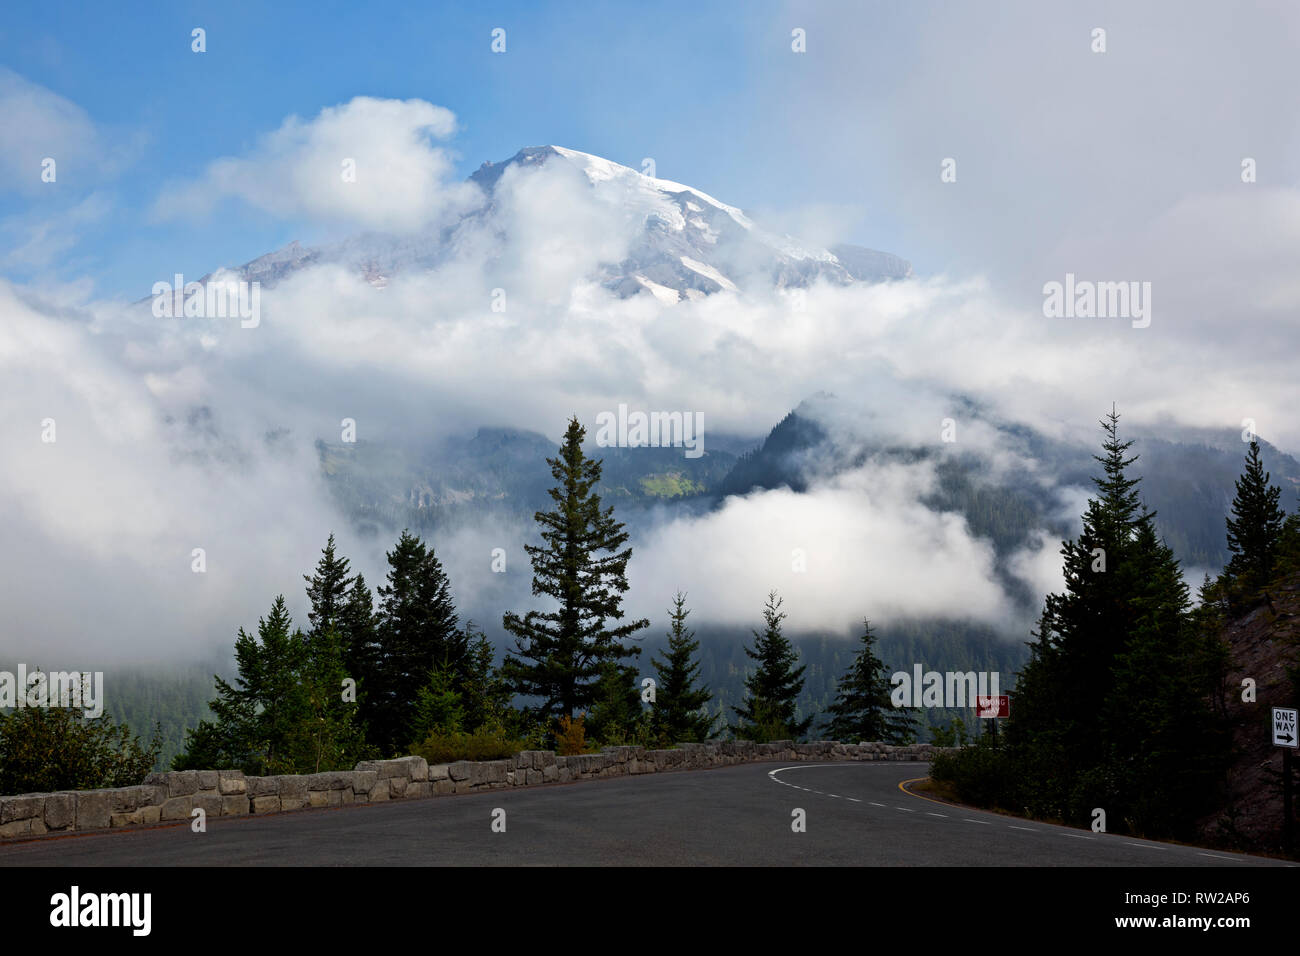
(999, 706)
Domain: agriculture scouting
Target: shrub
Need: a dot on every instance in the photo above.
(489, 742)
(44, 749)
(571, 738)
(983, 775)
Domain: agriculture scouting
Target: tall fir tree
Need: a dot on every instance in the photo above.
(255, 719)
(862, 709)
(769, 711)
(616, 708)
(679, 715)
(327, 590)
(330, 734)
(1255, 527)
(1085, 627)
(416, 631)
(1117, 670)
(341, 602)
(561, 654)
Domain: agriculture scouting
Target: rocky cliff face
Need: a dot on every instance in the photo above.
(1263, 643)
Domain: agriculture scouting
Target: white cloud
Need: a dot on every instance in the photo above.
(868, 546)
(403, 182)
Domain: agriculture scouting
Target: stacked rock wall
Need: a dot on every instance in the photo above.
(174, 795)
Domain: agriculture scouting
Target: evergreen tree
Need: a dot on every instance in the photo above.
(356, 623)
(284, 712)
(1255, 528)
(327, 590)
(1115, 707)
(255, 718)
(1165, 744)
(416, 631)
(1084, 628)
(862, 709)
(616, 707)
(330, 734)
(679, 715)
(342, 604)
(474, 700)
(559, 655)
(485, 695)
(769, 711)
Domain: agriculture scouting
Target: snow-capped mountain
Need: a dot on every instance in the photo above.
(687, 244)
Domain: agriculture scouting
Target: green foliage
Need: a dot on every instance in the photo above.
(983, 774)
(679, 714)
(769, 712)
(470, 697)
(561, 656)
(415, 632)
(616, 710)
(1255, 528)
(1115, 707)
(489, 742)
(44, 749)
(669, 485)
(285, 712)
(862, 709)
(954, 735)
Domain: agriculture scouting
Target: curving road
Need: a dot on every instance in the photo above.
(856, 814)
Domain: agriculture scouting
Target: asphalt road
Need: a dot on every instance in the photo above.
(856, 814)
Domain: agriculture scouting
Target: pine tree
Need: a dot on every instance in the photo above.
(341, 603)
(862, 709)
(769, 711)
(327, 590)
(1088, 623)
(616, 707)
(679, 715)
(559, 655)
(1115, 707)
(255, 718)
(416, 631)
(485, 696)
(330, 734)
(1256, 526)
(284, 712)
(356, 622)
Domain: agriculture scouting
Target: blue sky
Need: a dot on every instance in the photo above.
(1065, 156)
(689, 84)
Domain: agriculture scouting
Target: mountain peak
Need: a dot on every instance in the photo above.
(690, 244)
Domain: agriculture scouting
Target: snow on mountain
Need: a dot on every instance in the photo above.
(688, 243)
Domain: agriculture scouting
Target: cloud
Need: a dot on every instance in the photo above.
(368, 163)
(40, 124)
(43, 239)
(182, 433)
(860, 545)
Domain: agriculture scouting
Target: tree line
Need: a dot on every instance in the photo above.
(397, 672)
(1119, 717)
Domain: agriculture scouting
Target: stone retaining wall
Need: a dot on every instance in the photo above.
(174, 795)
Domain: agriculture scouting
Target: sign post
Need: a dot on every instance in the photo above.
(1286, 735)
(993, 707)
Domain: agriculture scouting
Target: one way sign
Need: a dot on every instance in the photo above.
(1284, 728)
